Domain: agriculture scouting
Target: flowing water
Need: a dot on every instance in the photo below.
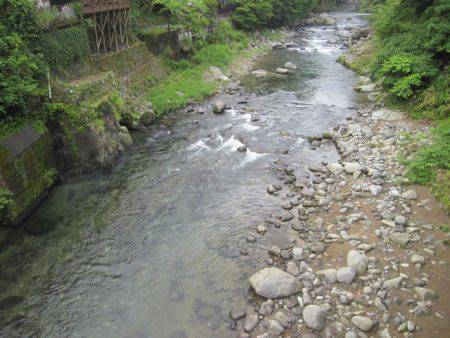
(156, 247)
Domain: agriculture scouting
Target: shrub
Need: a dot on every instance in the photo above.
(252, 14)
(20, 75)
(192, 14)
(412, 46)
(431, 158)
(257, 14)
(63, 47)
(6, 204)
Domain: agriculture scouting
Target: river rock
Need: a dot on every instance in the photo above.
(375, 190)
(274, 283)
(425, 294)
(318, 247)
(362, 323)
(363, 32)
(393, 283)
(328, 275)
(417, 259)
(409, 195)
(290, 65)
(219, 107)
(242, 149)
(297, 253)
(292, 268)
(400, 238)
(250, 322)
(275, 250)
(335, 168)
(275, 328)
(308, 192)
(346, 275)
(387, 114)
(237, 314)
(260, 73)
(358, 261)
(314, 317)
(351, 167)
(368, 88)
(282, 71)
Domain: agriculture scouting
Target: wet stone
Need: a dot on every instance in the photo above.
(237, 314)
(286, 216)
(250, 238)
(274, 283)
(275, 250)
(250, 322)
(287, 206)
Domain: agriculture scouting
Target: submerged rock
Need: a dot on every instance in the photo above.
(290, 65)
(282, 71)
(274, 283)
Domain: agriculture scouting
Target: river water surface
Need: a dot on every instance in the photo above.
(156, 247)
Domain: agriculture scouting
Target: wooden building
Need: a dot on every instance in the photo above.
(111, 24)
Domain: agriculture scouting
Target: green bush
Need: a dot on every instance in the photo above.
(20, 70)
(225, 33)
(411, 51)
(257, 14)
(192, 14)
(62, 48)
(6, 204)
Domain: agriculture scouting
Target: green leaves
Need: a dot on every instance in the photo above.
(20, 72)
(192, 14)
(412, 44)
(256, 14)
(6, 204)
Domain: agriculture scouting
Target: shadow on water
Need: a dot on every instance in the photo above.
(157, 246)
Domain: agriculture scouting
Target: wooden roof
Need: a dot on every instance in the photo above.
(95, 6)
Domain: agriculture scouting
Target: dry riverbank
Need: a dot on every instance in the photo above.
(367, 255)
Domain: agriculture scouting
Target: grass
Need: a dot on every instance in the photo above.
(179, 88)
(431, 164)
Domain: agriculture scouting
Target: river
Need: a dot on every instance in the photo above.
(156, 246)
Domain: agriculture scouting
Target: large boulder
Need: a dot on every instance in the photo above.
(274, 283)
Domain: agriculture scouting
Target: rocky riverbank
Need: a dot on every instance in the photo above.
(367, 256)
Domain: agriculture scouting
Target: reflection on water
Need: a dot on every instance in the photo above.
(156, 247)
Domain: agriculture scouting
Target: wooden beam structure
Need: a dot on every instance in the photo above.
(111, 24)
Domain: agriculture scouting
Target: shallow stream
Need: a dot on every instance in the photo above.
(156, 247)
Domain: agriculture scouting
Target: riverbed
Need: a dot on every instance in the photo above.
(158, 245)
